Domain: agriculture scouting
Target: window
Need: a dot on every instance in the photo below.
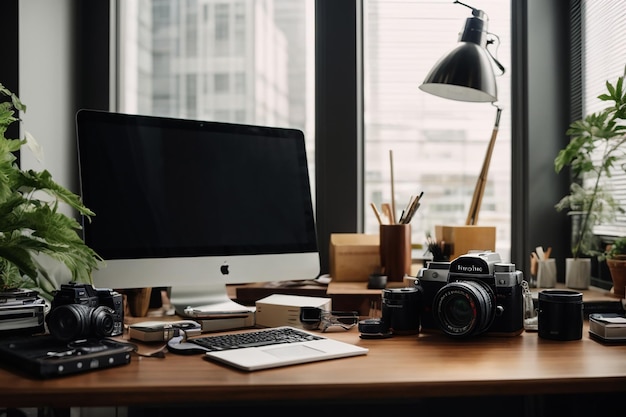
(603, 59)
(249, 52)
(191, 29)
(221, 22)
(438, 145)
(221, 83)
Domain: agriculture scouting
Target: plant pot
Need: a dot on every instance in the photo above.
(578, 273)
(617, 267)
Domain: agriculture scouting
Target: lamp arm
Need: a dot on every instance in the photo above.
(479, 190)
(495, 60)
(475, 12)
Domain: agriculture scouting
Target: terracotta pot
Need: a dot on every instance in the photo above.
(617, 267)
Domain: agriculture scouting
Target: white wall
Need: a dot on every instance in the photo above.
(46, 87)
(45, 65)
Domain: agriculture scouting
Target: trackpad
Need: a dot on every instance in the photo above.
(294, 351)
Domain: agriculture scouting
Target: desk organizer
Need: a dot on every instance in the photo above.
(462, 239)
(353, 256)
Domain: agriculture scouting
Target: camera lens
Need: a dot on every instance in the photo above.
(400, 310)
(459, 311)
(70, 321)
(77, 321)
(102, 321)
(464, 308)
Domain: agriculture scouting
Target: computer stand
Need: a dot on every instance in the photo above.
(211, 306)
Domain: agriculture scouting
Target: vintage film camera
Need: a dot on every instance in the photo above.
(474, 294)
(80, 311)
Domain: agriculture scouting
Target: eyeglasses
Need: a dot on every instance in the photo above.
(313, 317)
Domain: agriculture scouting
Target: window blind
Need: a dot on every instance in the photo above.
(603, 27)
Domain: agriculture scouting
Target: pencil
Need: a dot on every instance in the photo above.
(393, 192)
(376, 213)
(386, 207)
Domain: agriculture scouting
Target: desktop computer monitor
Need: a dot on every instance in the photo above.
(194, 205)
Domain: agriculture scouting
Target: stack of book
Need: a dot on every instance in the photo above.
(608, 327)
(21, 312)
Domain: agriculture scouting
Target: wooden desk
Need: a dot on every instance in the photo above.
(396, 369)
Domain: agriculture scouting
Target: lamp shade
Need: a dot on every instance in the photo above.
(464, 74)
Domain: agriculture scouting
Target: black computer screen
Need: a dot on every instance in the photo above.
(164, 187)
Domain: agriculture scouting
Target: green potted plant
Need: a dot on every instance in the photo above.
(597, 144)
(615, 256)
(31, 227)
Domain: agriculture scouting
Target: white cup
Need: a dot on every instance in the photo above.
(546, 273)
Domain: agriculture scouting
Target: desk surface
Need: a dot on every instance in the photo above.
(402, 367)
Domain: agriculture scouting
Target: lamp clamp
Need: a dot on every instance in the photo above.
(475, 12)
(476, 31)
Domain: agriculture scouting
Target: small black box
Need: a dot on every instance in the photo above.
(44, 356)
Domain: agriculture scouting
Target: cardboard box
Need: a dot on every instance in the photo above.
(353, 256)
(462, 239)
(284, 310)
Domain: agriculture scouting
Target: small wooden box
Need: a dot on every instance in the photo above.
(463, 239)
(353, 256)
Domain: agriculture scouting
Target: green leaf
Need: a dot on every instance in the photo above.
(31, 227)
(42, 181)
(602, 134)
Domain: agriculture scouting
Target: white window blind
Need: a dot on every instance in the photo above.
(604, 59)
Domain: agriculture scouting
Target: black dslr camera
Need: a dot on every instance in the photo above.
(473, 294)
(80, 311)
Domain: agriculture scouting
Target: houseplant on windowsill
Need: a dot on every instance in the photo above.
(597, 144)
(31, 227)
(615, 256)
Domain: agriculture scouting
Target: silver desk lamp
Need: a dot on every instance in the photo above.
(466, 74)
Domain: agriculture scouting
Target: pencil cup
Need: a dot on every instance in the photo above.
(395, 251)
(546, 273)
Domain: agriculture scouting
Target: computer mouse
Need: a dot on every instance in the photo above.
(177, 345)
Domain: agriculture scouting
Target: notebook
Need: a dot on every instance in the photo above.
(317, 348)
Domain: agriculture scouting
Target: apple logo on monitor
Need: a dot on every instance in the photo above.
(224, 269)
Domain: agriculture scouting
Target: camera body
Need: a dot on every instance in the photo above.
(80, 311)
(430, 281)
(475, 293)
